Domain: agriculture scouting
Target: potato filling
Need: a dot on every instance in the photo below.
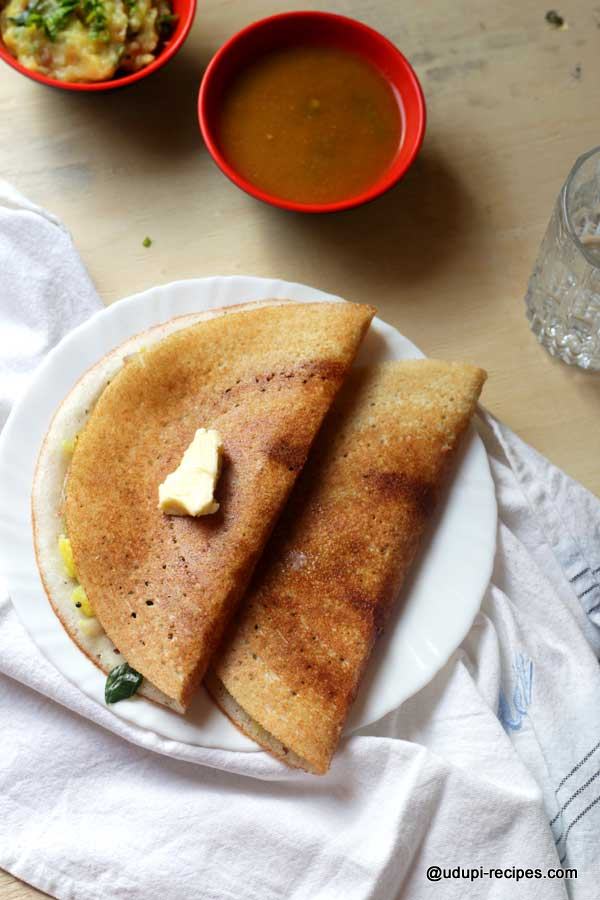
(85, 40)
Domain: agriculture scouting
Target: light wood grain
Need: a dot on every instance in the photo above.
(12, 889)
(445, 257)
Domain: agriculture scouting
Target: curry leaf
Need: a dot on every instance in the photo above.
(122, 682)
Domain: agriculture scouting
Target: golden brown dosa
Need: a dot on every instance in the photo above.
(164, 587)
(294, 655)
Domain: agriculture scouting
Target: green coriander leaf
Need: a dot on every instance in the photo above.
(94, 16)
(21, 19)
(50, 16)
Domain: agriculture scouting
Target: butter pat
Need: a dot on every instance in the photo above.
(189, 490)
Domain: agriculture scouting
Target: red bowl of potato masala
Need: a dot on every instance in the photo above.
(311, 112)
(92, 45)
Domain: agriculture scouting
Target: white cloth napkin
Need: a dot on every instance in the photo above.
(494, 765)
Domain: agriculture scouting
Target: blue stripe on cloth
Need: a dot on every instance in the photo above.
(562, 838)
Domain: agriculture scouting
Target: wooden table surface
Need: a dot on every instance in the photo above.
(445, 256)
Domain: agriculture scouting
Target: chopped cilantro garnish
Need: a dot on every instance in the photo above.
(94, 16)
(58, 19)
(165, 25)
(21, 19)
(53, 16)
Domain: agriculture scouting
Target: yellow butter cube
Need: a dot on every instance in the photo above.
(189, 490)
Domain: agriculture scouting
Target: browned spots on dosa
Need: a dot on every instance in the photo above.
(324, 675)
(399, 485)
(317, 370)
(290, 455)
(361, 603)
(371, 609)
(325, 369)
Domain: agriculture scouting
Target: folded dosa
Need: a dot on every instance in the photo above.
(293, 657)
(163, 588)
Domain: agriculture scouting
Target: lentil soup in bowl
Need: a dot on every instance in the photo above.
(311, 111)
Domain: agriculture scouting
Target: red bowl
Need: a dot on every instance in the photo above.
(185, 9)
(288, 29)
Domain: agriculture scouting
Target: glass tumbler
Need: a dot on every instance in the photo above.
(563, 295)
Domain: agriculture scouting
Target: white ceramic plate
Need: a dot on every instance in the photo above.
(432, 616)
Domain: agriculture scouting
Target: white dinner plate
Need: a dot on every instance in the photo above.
(431, 617)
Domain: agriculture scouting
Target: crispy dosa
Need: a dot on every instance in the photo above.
(163, 588)
(294, 655)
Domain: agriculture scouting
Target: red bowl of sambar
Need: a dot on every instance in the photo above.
(311, 111)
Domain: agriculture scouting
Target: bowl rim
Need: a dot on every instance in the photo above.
(380, 187)
(164, 56)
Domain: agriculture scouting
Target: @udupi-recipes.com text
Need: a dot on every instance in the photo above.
(438, 873)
